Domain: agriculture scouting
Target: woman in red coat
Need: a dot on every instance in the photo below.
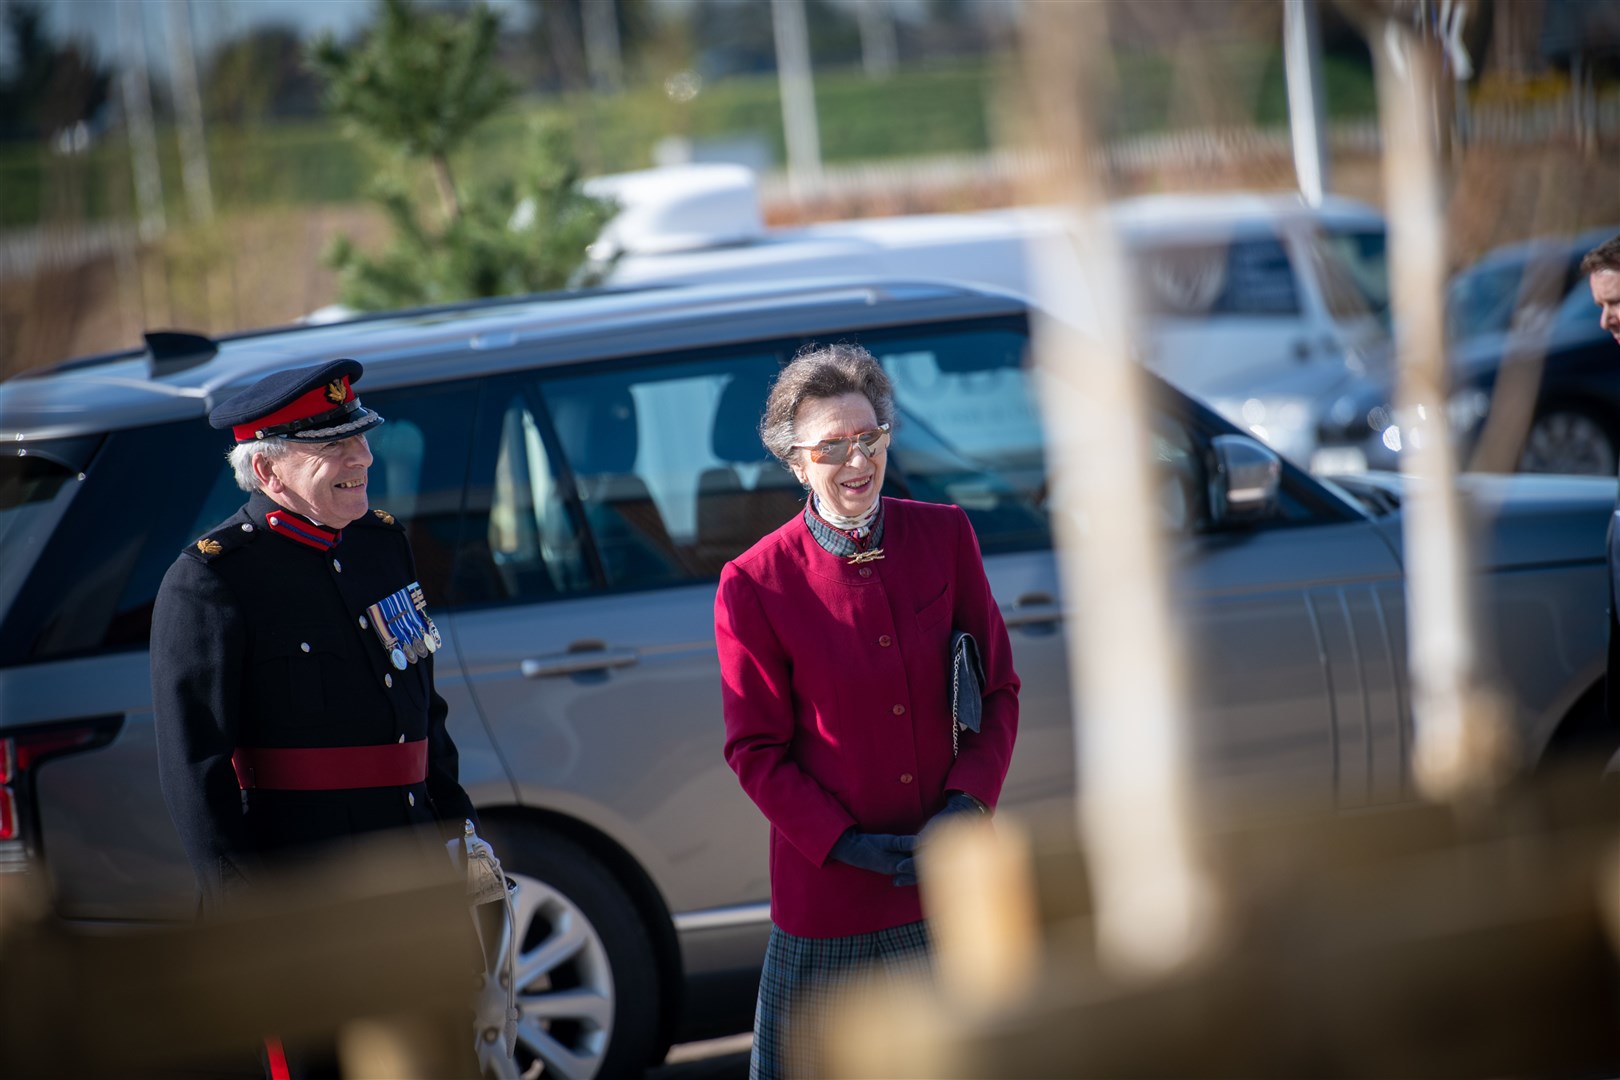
(834, 639)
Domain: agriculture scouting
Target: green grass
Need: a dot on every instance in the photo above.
(919, 112)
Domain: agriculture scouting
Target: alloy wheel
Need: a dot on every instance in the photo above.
(1568, 442)
(564, 990)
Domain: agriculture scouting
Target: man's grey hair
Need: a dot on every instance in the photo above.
(241, 459)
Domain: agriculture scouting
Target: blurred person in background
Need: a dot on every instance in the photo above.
(1602, 269)
(292, 657)
(835, 642)
(1601, 266)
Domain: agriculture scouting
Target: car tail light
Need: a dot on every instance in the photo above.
(21, 754)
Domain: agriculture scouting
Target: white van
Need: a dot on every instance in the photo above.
(1257, 303)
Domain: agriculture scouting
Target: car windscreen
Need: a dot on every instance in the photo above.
(1521, 294)
(1248, 277)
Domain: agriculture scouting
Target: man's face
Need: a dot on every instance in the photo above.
(325, 482)
(1606, 295)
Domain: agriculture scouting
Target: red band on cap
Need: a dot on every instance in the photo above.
(317, 401)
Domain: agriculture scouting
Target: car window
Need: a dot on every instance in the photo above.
(419, 471)
(639, 476)
(1530, 294)
(1248, 277)
(93, 585)
(1354, 271)
(968, 429)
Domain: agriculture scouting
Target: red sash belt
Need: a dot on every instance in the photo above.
(326, 768)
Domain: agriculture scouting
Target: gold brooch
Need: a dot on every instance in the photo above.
(387, 518)
(334, 392)
(866, 556)
(210, 547)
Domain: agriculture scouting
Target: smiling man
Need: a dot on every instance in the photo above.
(292, 650)
(292, 653)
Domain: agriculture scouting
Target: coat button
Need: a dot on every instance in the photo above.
(885, 641)
(410, 797)
(247, 526)
(388, 680)
(362, 621)
(337, 566)
(402, 736)
(304, 645)
(899, 710)
(906, 778)
(866, 571)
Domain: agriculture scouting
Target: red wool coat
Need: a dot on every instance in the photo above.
(836, 688)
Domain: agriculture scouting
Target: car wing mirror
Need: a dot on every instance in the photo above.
(1244, 480)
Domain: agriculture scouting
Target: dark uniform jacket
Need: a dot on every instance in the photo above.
(260, 640)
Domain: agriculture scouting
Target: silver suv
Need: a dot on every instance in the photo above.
(573, 472)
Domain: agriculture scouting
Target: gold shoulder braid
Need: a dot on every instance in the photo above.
(385, 516)
(866, 556)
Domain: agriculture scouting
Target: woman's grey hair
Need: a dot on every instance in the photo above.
(822, 371)
(241, 459)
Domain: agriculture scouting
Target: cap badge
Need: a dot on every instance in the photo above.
(334, 392)
(385, 516)
(210, 547)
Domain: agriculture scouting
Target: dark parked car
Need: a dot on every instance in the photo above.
(1525, 306)
(573, 472)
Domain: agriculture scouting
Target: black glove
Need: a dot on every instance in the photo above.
(881, 853)
(958, 802)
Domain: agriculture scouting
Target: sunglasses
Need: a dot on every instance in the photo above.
(837, 451)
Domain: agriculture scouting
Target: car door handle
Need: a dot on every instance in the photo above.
(576, 660)
(1032, 609)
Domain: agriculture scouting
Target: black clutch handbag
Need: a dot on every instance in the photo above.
(967, 687)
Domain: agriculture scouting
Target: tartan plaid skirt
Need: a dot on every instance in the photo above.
(803, 976)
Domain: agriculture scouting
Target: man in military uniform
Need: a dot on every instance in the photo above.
(292, 651)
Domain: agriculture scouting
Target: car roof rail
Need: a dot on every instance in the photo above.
(166, 352)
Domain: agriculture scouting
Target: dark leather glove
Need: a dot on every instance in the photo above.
(881, 853)
(958, 802)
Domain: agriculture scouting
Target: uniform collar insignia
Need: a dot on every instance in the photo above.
(298, 528)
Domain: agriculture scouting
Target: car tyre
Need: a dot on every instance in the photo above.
(587, 977)
(1569, 441)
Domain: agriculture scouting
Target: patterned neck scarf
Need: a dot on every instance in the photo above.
(859, 544)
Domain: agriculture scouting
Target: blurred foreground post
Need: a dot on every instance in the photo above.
(796, 78)
(1462, 743)
(1155, 907)
(378, 937)
(1307, 113)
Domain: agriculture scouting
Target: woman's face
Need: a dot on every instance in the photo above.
(849, 488)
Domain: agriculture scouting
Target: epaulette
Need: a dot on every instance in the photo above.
(222, 541)
(381, 519)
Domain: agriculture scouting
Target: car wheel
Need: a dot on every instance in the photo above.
(1568, 441)
(586, 976)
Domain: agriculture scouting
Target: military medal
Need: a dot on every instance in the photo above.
(434, 641)
(419, 629)
(399, 620)
(409, 629)
(390, 644)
